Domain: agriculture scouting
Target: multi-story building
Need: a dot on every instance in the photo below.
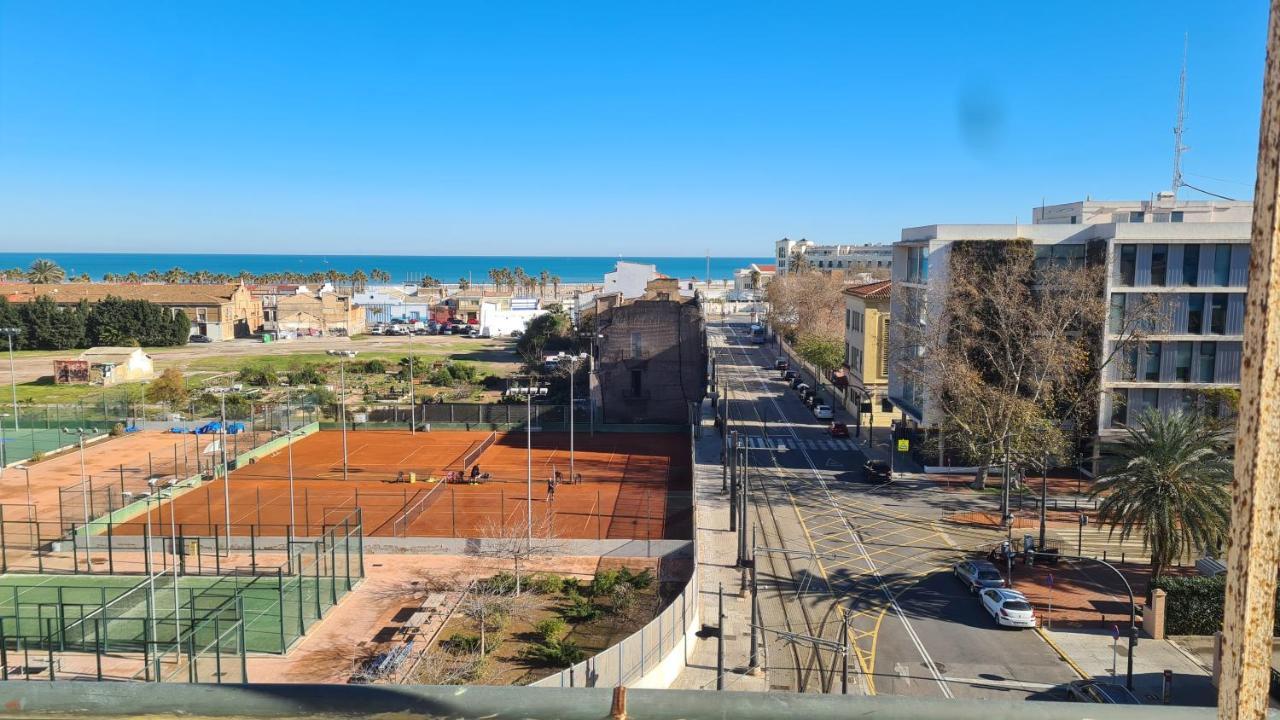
(650, 357)
(864, 379)
(1192, 256)
(849, 258)
(221, 312)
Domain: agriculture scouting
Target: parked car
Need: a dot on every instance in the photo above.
(781, 364)
(839, 430)
(200, 339)
(823, 412)
(877, 471)
(376, 330)
(790, 375)
(1010, 608)
(977, 575)
(1100, 692)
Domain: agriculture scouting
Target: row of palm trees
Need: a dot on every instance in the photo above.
(518, 279)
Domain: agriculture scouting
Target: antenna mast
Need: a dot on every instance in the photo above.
(1178, 147)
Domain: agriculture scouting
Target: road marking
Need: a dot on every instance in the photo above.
(1016, 684)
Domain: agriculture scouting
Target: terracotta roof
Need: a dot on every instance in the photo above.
(163, 294)
(766, 268)
(878, 289)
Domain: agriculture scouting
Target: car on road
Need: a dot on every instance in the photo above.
(200, 339)
(1010, 608)
(800, 386)
(781, 364)
(823, 412)
(877, 471)
(790, 375)
(796, 382)
(977, 575)
(1100, 692)
(838, 430)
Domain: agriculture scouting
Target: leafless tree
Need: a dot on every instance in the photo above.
(510, 541)
(1015, 357)
(808, 303)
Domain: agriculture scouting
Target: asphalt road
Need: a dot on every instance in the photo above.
(875, 559)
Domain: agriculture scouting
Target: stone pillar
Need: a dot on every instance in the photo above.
(1153, 615)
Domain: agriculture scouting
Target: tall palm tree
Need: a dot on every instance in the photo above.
(358, 279)
(1170, 485)
(463, 283)
(555, 285)
(544, 279)
(133, 277)
(175, 275)
(45, 272)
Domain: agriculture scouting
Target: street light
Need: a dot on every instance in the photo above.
(11, 333)
(528, 425)
(413, 400)
(288, 424)
(84, 492)
(159, 496)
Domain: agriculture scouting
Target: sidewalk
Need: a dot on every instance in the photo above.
(1090, 652)
(717, 556)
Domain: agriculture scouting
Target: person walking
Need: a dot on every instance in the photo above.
(551, 489)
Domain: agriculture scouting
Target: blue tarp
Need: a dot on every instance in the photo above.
(235, 428)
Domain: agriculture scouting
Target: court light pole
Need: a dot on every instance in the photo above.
(288, 423)
(84, 493)
(413, 400)
(11, 332)
(342, 375)
(226, 476)
(528, 430)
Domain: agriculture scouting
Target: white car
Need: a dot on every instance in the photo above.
(1009, 607)
(823, 412)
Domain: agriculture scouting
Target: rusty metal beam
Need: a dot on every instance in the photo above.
(1255, 534)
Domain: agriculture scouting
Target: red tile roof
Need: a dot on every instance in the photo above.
(767, 268)
(878, 289)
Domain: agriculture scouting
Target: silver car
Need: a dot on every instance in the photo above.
(978, 575)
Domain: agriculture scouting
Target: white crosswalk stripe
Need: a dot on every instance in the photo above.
(774, 442)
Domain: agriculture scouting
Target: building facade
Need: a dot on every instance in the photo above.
(650, 362)
(848, 258)
(1190, 257)
(866, 357)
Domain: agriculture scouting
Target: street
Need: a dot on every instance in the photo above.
(835, 552)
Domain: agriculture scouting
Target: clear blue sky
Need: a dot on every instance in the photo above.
(596, 128)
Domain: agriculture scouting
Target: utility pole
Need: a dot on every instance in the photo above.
(733, 481)
(1044, 498)
(720, 637)
(413, 399)
(10, 332)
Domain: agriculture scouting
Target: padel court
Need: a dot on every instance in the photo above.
(632, 486)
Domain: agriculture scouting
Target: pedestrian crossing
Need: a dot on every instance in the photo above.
(775, 442)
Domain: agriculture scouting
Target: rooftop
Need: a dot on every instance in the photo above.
(161, 293)
(877, 289)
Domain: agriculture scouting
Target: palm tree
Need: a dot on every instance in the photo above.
(1170, 484)
(133, 277)
(83, 278)
(152, 275)
(464, 284)
(45, 272)
(544, 279)
(358, 279)
(555, 285)
(174, 275)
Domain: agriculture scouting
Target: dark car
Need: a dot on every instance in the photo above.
(797, 383)
(200, 339)
(781, 364)
(790, 375)
(978, 575)
(877, 471)
(1100, 692)
(839, 430)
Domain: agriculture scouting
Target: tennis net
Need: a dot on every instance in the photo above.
(472, 456)
(413, 510)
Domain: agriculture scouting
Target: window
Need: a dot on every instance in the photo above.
(1222, 265)
(637, 345)
(1129, 368)
(1182, 362)
(1151, 362)
(1137, 216)
(1150, 398)
(1218, 314)
(1128, 264)
(1075, 220)
(848, 322)
(1191, 265)
(1159, 264)
(637, 382)
(1205, 364)
(1175, 216)
(1117, 311)
(882, 349)
(1119, 409)
(1195, 313)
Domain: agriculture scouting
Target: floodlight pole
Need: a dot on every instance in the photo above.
(342, 374)
(84, 493)
(226, 476)
(528, 429)
(288, 424)
(13, 377)
(573, 368)
(413, 400)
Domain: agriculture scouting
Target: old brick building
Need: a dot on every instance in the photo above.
(651, 357)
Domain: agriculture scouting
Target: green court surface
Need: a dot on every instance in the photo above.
(19, 445)
(123, 613)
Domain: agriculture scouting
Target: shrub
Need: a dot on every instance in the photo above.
(503, 583)
(604, 582)
(579, 609)
(461, 643)
(551, 630)
(558, 653)
(37, 456)
(622, 597)
(257, 375)
(117, 430)
(546, 583)
(1194, 604)
(372, 367)
(305, 376)
(640, 581)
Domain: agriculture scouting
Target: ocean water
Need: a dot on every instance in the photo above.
(446, 268)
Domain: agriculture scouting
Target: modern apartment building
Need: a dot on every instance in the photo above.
(1192, 257)
(855, 258)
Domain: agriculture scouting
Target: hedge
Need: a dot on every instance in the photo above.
(1194, 605)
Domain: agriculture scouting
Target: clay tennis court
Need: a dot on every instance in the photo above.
(634, 486)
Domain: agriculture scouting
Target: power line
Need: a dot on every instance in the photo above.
(1206, 192)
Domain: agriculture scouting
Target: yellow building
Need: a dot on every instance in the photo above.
(866, 352)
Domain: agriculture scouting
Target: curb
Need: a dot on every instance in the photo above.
(1062, 654)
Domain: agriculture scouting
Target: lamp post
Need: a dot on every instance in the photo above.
(84, 492)
(342, 375)
(226, 477)
(288, 423)
(11, 332)
(413, 399)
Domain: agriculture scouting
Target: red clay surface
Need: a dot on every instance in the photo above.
(635, 486)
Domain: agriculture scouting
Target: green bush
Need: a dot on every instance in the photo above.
(305, 376)
(503, 583)
(551, 630)
(461, 644)
(640, 581)
(558, 653)
(604, 582)
(546, 583)
(579, 609)
(371, 367)
(257, 376)
(1194, 605)
(117, 430)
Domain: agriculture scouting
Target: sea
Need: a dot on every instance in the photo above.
(406, 268)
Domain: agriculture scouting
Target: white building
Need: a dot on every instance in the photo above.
(1193, 255)
(498, 322)
(856, 258)
(119, 364)
(389, 303)
(752, 279)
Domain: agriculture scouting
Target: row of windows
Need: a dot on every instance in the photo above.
(917, 270)
(1191, 362)
(838, 264)
(1072, 256)
(1130, 402)
(1200, 307)
(1137, 216)
(1187, 272)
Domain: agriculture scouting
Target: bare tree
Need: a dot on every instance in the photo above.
(808, 303)
(1015, 357)
(509, 541)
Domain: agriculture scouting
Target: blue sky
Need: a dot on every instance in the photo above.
(597, 128)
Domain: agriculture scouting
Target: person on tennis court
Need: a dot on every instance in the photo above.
(577, 479)
(559, 477)
(551, 489)
(475, 472)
